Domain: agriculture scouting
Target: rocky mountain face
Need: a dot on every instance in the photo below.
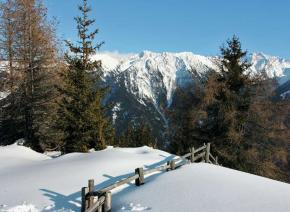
(143, 85)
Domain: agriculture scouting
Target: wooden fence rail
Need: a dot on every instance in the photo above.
(101, 200)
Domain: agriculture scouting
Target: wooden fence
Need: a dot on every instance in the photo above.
(101, 200)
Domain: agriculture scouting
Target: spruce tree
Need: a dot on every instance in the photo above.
(227, 101)
(82, 113)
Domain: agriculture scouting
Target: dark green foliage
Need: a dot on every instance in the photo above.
(137, 136)
(184, 113)
(82, 114)
(227, 101)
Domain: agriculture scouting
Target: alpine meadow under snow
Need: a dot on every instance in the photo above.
(33, 182)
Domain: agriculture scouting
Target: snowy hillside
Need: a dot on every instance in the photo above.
(33, 182)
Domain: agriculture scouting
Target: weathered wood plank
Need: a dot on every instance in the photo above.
(172, 164)
(186, 155)
(96, 205)
(207, 152)
(117, 184)
(108, 202)
(199, 156)
(91, 187)
(212, 157)
(100, 209)
(157, 169)
(216, 160)
(199, 149)
(192, 154)
(180, 163)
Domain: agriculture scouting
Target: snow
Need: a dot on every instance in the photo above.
(54, 184)
(273, 66)
(3, 94)
(205, 187)
(30, 181)
(285, 94)
(115, 110)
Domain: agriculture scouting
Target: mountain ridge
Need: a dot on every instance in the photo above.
(143, 84)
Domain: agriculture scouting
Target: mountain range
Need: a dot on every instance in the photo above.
(143, 85)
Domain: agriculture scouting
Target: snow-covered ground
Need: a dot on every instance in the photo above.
(30, 181)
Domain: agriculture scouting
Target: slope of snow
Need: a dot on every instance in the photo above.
(44, 184)
(28, 178)
(207, 188)
(15, 155)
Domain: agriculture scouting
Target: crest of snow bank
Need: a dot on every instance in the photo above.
(20, 153)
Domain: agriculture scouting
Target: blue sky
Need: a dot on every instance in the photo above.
(199, 26)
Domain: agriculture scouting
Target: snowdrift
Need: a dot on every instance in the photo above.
(30, 181)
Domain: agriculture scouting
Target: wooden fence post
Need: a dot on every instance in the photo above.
(100, 208)
(192, 155)
(168, 166)
(172, 165)
(108, 202)
(216, 160)
(207, 152)
(140, 180)
(84, 192)
(91, 186)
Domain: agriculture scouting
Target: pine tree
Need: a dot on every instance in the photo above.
(82, 113)
(227, 101)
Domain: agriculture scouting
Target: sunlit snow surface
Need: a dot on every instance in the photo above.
(30, 181)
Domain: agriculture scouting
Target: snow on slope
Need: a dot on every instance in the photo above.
(207, 188)
(54, 184)
(46, 184)
(15, 155)
(274, 66)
